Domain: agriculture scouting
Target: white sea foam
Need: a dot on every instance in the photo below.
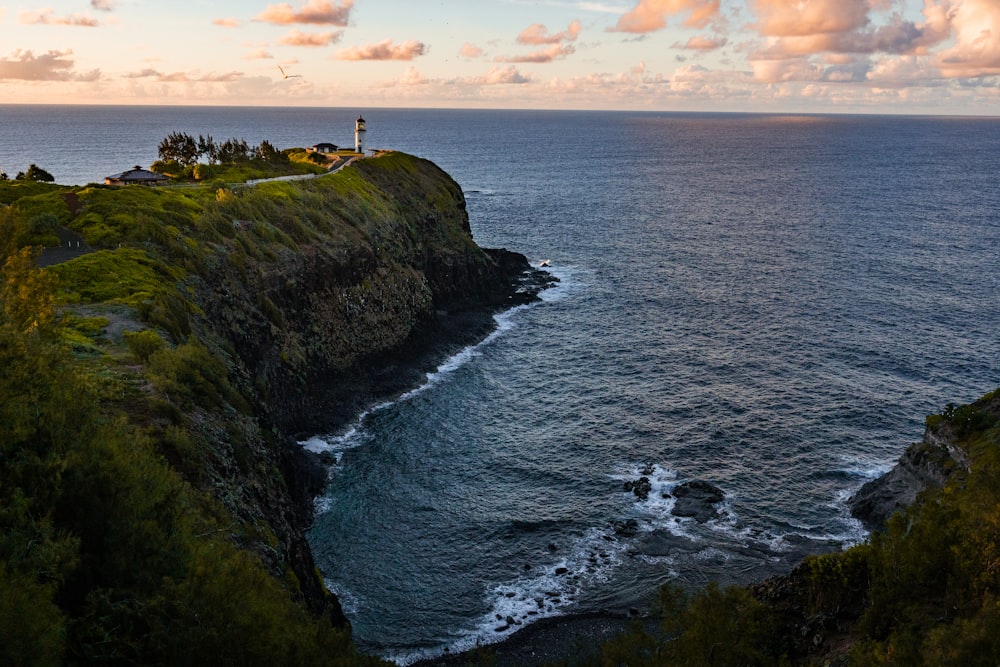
(541, 592)
(864, 468)
(571, 279)
(354, 435)
(656, 509)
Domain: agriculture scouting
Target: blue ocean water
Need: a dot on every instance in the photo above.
(770, 303)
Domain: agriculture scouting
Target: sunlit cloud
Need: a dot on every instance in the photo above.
(702, 43)
(976, 52)
(501, 76)
(50, 66)
(48, 17)
(226, 23)
(781, 18)
(496, 76)
(183, 77)
(102, 5)
(384, 50)
(652, 15)
(844, 26)
(790, 69)
(554, 52)
(259, 54)
(319, 12)
(538, 34)
(298, 38)
(470, 51)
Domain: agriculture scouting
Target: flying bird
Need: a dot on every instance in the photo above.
(287, 76)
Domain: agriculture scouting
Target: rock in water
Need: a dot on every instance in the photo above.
(697, 500)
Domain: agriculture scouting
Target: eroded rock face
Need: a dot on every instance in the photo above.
(923, 465)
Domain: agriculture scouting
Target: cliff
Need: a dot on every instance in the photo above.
(200, 330)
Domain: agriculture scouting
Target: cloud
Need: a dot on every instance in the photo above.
(845, 26)
(48, 17)
(976, 52)
(554, 52)
(781, 18)
(496, 76)
(259, 54)
(384, 50)
(790, 69)
(102, 5)
(470, 51)
(298, 38)
(51, 66)
(702, 43)
(652, 15)
(537, 34)
(318, 12)
(501, 76)
(184, 77)
(226, 23)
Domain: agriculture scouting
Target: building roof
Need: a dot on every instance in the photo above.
(136, 175)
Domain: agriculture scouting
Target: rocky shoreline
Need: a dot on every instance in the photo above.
(577, 638)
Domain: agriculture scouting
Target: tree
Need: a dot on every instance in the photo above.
(267, 152)
(35, 173)
(180, 147)
(207, 148)
(233, 151)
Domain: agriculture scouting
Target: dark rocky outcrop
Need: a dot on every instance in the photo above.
(697, 499)
(925, 464)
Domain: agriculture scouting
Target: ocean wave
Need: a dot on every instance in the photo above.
(354, 435)
(542, 592)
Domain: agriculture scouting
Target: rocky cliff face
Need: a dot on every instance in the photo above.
(386, 281)
(925, 464)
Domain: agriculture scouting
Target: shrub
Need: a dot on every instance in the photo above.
(142, 344)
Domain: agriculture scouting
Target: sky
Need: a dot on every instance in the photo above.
(823, 56)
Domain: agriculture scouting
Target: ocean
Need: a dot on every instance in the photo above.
(768, 303)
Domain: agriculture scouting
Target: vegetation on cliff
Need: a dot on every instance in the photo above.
(923, 591)
(152, 502)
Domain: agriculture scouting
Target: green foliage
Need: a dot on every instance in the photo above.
(11, 190)
(142, 344)
(106, 553)
(31, 625)
(51, 204)
(35, 173)
(178, 147)
(126, 275)
(190, 375)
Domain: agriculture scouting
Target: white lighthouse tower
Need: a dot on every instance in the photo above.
(359, 135)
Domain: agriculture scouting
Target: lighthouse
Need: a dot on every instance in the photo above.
(359, 135)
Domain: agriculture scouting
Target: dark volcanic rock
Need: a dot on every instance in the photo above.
(923, 465)
(640, 487)
(697, 500)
